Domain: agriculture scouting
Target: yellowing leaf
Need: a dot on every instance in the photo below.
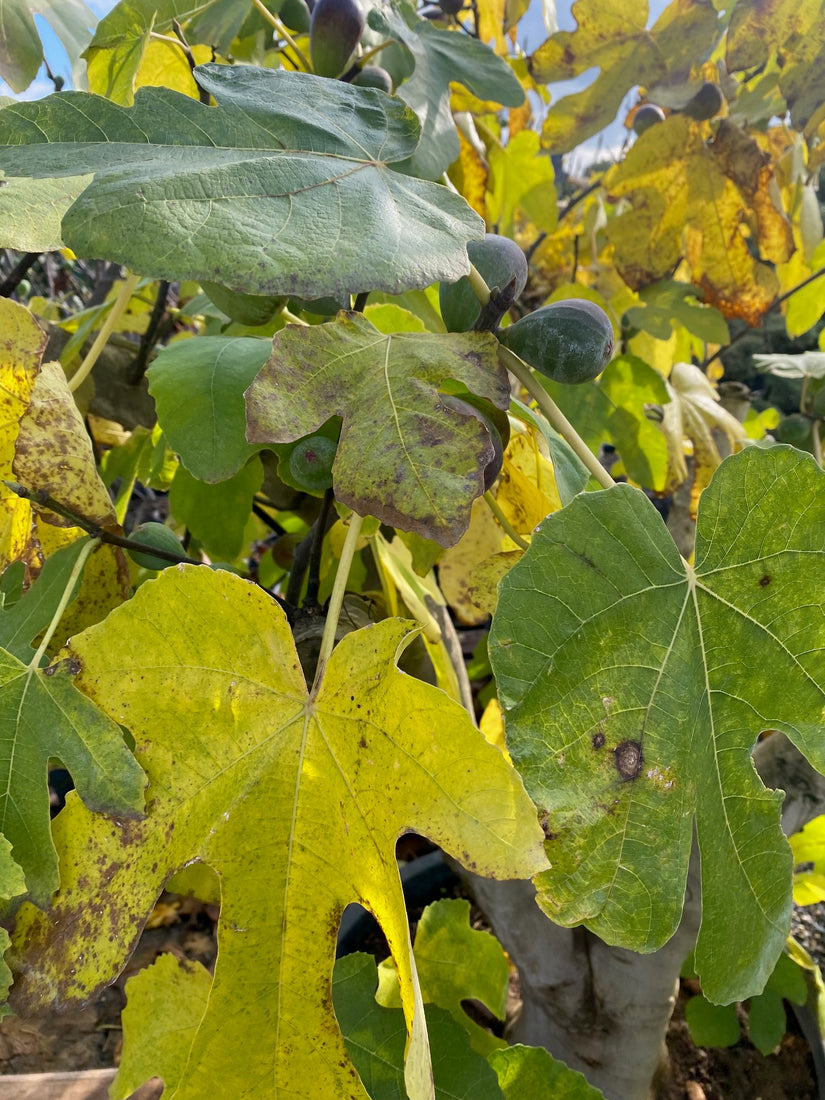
(522, 183)
(165, 65)
(611, 35)
(469, 174)
(296, 803)
(53, 452)
(527, 490)
(481, 541)
(707, 201)
(21, 348)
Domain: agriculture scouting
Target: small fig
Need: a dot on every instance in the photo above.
(570, 341)
(794, 429)
(498, 260)
(469, 408)
(295, 14)
(310, 463)
(706, 104)
(647, 115)
(373, 76)
(451, 7)
(335, 30)
(160, 537)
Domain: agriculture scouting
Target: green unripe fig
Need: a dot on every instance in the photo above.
(570, 341)
(310, 463)
(498, 260)
(470, 408)
(818, 404)
(161, 537)
(794, 429)
(647, 115)
(24, 288)
(295, 14)
(373, 76)
(706, 104)
(335, 30)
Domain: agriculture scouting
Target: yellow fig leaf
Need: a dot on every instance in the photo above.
(296, 802)
(522, 183)
(53, 451)
(469, 174)
(612, 35)
(527, 490)
(21, 349)
(707, 201)
(482, 539)
(165, 65)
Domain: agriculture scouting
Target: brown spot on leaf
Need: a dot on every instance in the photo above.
(598, 740)
(628, 756)
(764, 581)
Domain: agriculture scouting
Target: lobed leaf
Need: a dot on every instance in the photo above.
(285, 187)
(635, 688)
(295, 802)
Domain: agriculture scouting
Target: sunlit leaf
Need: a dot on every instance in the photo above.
(534, 1072)
(201, 667)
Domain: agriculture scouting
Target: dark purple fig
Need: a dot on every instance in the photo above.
(647, 115)
(706, 104)
(373, 76)
(335, 30)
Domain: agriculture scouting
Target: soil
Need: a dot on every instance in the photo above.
(91, 1037)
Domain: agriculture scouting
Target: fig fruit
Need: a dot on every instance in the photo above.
(466, 406)
(498, 260)
(161, 537)
(570, 341)
(373, 76)
(295, 14)
(706, 104)
(794, 429)
(310, 463)
(647, 115)
(335, 30)
(451, 7)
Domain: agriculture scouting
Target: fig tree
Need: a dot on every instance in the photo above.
(706, 104)
(647, 115)
(498, 260)
(161, 537)
(570, 341)
(335, 30)
(373, 76)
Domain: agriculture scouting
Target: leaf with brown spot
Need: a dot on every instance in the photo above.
(635, 687)
(707, 201)
(274, 791)
(22, 343)
(53, 452)
(403, 456)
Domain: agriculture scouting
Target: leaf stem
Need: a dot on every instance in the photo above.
(375, 49)
(817, 441)
(336, 600)
(480, 288)
(274, 21)
(555, 416)
(65, 599)
(503, 521)
(115, 313)
(292, 318)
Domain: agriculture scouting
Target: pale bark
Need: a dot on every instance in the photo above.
(604, 1010)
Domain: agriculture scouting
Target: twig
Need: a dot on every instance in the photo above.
(203, 95)
(316, 547)
(149, 338)
(18, 273)
(274, 21)
(503, 521)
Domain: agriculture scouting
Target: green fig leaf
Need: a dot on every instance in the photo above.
(219, 185)
(628, 718)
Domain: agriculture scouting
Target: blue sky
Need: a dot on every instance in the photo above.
(532, 34)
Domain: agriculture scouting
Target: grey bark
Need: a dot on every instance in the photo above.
(605, 1010)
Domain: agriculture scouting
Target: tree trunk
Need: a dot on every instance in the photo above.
(605, 1010)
